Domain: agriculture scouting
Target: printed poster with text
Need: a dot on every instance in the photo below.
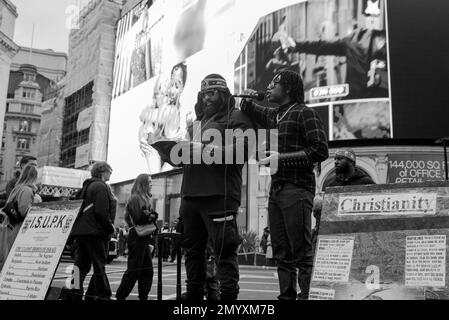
(34, 256)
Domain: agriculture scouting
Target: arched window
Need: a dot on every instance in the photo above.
(24, 126)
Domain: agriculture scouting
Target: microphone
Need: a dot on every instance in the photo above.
(259, 95)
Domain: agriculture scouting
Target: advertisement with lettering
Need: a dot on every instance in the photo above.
(34, 256)
(409, 168)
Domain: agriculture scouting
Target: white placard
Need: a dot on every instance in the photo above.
(85, 119)
(388, 204)
(321, 294)
(425, 261)
(82, 156)
(34, 256)
(333, 259)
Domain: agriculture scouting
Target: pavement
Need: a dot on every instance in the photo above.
(256, 282)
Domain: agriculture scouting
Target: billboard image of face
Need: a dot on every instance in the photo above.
(161, 119)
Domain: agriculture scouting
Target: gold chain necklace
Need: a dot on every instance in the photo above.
(279, 119)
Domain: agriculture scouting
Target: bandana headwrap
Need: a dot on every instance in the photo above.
(347, 153)
(213, 81)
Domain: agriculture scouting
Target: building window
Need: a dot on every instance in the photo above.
(29, 93)
(71, 139)
(29, 77)
(240, 72)
(24, 126)
(23, 143)
(83, 136)
(27, 108)
(17, 163)
(7, 106)
(3, 142)
(5, 126)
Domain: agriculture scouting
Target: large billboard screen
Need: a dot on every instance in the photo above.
(164, 48)
(340, 48)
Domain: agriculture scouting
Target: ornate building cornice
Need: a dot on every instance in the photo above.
(11, 7)
(8, 46)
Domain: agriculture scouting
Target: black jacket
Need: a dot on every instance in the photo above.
(134, 211)
(99, 219)
(358, 178)
(206, 180)
(212, 179)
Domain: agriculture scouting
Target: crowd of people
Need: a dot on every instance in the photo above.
(209, 206)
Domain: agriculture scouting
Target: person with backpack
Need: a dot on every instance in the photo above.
(92, 230)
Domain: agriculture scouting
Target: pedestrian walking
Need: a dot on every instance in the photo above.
(92, 230)
(142, 221)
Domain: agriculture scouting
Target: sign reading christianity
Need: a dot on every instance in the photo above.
(383, 242)
(388, 204)
(34, 256)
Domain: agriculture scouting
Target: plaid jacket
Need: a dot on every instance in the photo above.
(300, 129)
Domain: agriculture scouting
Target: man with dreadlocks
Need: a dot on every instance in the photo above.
(211, 192)
(301, 143)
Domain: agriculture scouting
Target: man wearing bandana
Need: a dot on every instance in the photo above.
(211, 193)
(346, 171)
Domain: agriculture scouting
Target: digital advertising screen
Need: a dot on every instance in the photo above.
(164, 49)
(363, 67)
(340, 49)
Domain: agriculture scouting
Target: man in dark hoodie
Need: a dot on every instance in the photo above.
(211, 192)
(346, 172)
(92, 229)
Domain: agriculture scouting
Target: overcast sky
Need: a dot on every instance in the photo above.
(50, 19)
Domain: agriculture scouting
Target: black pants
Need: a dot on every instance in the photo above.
(198, 228)
(290, 216)
(92, 251)
(140, 267)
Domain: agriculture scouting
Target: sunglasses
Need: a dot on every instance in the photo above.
(273, 83)
(209, 93)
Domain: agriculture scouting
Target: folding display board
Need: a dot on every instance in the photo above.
(35, 254)
(383, 242)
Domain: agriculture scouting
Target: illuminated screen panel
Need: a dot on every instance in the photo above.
(340, 49)
(163, 51)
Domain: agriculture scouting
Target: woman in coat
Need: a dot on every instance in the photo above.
(140, 265)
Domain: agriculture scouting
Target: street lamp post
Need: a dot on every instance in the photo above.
(444, 141)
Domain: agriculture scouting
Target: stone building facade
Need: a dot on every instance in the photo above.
(88, 86)
(27, 91)
(8, 49)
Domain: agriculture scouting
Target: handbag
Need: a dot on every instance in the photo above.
(145, 229)
(12, 212)
(5, 228)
